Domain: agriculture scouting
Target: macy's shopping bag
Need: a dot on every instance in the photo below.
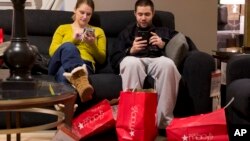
(136, 117)
(1, 35)
(205, 127)
(95, 120)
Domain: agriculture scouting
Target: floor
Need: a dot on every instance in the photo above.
(47, 136)
(34, 136)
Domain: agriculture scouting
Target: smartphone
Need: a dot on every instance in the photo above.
(144, 34)
(89, 31)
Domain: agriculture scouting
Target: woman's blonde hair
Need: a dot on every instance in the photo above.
(88, 2)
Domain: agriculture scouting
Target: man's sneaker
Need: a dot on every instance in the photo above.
(79, 79)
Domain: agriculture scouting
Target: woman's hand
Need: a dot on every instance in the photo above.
(88, 38)
(84, 37)
(78, 37)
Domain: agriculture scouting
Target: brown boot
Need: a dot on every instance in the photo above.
(79, 79)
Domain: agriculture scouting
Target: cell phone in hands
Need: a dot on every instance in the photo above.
(144, 34)
(89, 31)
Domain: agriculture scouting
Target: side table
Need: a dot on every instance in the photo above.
(43, 94)
(223, 55)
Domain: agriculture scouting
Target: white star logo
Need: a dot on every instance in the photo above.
(80, 125)
(184, 138)
(132, 133)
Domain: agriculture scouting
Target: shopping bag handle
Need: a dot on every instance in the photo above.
(229, 103)
(136, 84)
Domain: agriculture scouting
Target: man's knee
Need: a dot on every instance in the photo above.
(165, 63)
(130, 62)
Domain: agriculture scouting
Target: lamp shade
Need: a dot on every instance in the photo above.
(232, 1)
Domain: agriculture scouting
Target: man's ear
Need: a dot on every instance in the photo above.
(135, 13)
(153, 13)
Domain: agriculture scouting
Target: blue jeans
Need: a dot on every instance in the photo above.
(65, 59)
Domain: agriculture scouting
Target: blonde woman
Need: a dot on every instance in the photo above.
(76, 48)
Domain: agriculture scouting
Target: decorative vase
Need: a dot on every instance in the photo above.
(19, 56)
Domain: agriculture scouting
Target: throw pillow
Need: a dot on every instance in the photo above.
(177, 48)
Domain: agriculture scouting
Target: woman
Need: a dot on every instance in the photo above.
(76, 48)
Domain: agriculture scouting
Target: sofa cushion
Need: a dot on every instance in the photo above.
(177, 48)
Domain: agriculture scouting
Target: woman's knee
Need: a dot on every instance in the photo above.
(68, 46)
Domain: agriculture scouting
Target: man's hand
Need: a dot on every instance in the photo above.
(138, 45)
(156, 40)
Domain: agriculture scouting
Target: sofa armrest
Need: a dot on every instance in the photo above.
(238, 113)
(237, 68)
(196, 76)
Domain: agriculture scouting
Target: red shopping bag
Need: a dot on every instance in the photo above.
(136, 117)
(95, 120)
(1, 35)
(204, 127)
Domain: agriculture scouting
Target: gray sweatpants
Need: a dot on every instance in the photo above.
(133, 71)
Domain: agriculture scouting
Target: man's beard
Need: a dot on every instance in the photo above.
(149, 25)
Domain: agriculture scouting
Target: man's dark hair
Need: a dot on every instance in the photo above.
(144, 3)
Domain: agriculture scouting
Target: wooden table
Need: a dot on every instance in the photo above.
(43, 94)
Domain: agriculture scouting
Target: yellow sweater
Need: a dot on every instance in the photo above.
(64, 33)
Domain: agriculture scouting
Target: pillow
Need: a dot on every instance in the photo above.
(177, 48)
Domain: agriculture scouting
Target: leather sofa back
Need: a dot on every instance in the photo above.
(44, 22)
(41, 25)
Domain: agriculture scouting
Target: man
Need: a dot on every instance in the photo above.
(139, 51)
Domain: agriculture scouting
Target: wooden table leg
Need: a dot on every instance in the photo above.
(8, 124)
(18, 125)
(69, 110)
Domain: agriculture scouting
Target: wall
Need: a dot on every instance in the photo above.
(247, 25)
(195, 18)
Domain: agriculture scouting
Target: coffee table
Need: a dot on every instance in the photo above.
(37, 99)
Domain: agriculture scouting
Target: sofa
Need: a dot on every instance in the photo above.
(196, 68)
